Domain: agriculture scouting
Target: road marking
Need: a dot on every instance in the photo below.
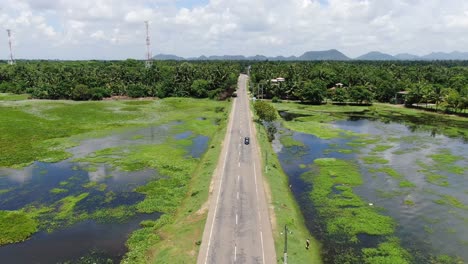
(235, 253)
(220, 188)
(238, 176)
(263, 251)
(255, 177)
(236, 219)
(237, 195)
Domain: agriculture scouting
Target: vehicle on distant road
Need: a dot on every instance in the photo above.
(246, 140)
(234, 94)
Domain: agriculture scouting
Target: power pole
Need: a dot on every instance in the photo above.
(285, 244)
(149, 57)
(11, 61)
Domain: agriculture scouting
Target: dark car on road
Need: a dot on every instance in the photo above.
(246, 140)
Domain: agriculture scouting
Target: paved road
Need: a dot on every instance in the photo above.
(238, 228)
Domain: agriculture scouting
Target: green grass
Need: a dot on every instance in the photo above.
(13, 97)
(16, 226)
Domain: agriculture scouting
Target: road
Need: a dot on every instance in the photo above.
(238, 228)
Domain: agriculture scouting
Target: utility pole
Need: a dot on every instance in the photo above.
(11, 61)
(285, 244)
(149, 57)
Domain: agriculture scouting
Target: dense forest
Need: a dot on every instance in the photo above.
(94, 80)
(443, 84)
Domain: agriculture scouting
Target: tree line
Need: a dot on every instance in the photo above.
(94, 80)
(444, 84)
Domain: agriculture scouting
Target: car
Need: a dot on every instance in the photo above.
(246, 140)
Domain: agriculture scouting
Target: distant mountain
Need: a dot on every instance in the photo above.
(407, 56)
(167, 57)
(332, 54)
(376, 56)
(456, 55)
(327, 55)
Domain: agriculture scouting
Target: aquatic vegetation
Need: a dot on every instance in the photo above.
(451, 201)
(320, 130)
(345, 212)
(387, 252)
(409, 202)
(16, 226)
(445, 157)
(437, 179)
(289, 141)
(58, 190)
(67, 205)
(388, 170)
(406, 184)
(381, 148)
(374, 160)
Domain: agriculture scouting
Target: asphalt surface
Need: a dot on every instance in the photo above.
(238, 227)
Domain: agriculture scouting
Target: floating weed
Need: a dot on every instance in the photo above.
(450, 230)
(16, 226)
(381, 148)
(374, 160)
(407, 184)
(346, 151)
(289, 141)
(58, 190)
(2, 191)
(390, 194)
(437, 179)
(302, 166)
(428, 229)
(387, 252)
(345, 212)
(390, 171)
(43, 172)
(136, 137)
(409, 202)
(450, 200)
(445, 157)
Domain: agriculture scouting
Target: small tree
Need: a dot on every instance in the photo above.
(265, 111)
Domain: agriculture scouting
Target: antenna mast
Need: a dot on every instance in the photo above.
(149, 57)
(11, 61)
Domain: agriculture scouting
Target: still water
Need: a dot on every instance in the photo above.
(427, 227)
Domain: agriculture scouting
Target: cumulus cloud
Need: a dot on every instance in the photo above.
(109, 29)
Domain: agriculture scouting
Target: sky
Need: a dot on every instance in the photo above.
(114, 29)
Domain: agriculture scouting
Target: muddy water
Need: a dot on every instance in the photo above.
(32, 186)
(426, 228)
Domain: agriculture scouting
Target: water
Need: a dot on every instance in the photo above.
(425, 228)
(108, 187)
(71, 243)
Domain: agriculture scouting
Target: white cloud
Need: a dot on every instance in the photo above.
(87, 29)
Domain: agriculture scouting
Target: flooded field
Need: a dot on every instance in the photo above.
(106, 187)
(88, 187)
(375, 170)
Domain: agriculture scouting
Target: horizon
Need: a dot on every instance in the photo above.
(104, 30)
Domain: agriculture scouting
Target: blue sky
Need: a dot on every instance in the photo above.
(111, 29)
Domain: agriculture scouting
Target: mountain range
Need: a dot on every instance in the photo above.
(328, 55)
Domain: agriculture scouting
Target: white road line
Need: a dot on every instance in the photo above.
(238, 176)
(236, 218)
(237, 195)
(235, 253)
(239, 164)
(219, 191)
(263, 251)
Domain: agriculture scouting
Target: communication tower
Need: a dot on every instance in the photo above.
(11, 61)
(149, 57)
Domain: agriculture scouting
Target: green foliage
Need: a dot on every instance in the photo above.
(265, 111)
(407, 184)
(451, 201)
(16, 226)
(374, 160)
(389, 252)
(58, 190)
